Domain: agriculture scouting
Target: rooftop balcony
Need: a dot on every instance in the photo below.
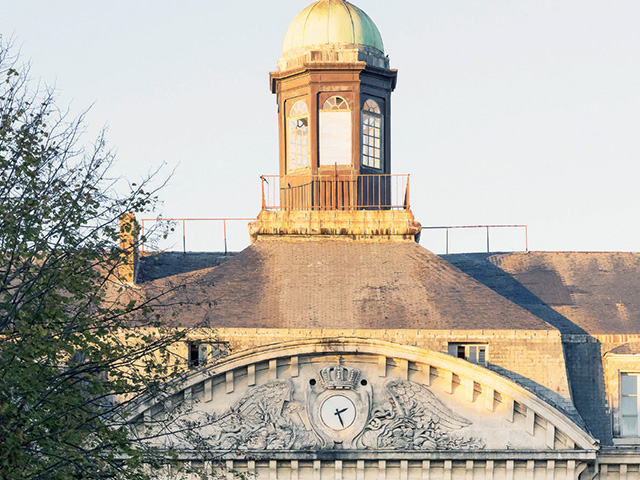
(335, 192)
(332, 205)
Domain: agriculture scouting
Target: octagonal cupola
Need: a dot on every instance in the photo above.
(334, 89)
(333, 85)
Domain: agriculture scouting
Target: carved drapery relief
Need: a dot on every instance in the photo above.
(413, 418)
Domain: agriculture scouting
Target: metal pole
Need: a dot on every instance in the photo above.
(447, 241)
(184, 236)
(526, 237)
(224, 223)
(488, 248)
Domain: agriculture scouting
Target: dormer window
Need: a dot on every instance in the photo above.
(371, 135)
(471, 352)
(298, 132)
(197, 354)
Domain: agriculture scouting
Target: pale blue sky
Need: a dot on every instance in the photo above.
(506, 111)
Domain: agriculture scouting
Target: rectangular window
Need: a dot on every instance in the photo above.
(200, 353)
(197, 353)
(471, 352)
(298, 143)
(335, 138)
(629, 404)
(371, 145)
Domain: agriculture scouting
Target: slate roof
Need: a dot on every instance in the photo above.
(155, 266)
(579, 292)
(345, 284)
(629, 348)
(336, 283)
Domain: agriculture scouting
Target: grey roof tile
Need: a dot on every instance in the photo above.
(578, 292)
(339, 283)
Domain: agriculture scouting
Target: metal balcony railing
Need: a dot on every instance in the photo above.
(335, 192)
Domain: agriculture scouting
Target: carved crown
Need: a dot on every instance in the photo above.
(339, 377)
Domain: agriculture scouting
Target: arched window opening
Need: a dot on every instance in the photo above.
(335, 103)
(372, 135)
(298, 126)
(335, 132)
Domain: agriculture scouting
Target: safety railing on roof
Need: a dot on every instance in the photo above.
(488, 228)
(183, 221)
(335, 192)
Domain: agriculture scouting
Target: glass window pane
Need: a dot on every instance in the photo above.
(335, 103)
(473, 354)
(335, 138)
(299, 108)
(371, 106)
(629, 384)
(482, 358)
(371, 136)
(629, 406)
(629, 426)
(298, 132)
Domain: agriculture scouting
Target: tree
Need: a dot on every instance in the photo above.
(73, 353)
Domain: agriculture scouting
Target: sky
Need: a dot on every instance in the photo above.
(506, 112)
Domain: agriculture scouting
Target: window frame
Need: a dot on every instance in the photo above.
(298, 144)
(476, 353)
(335, 103)
(376, 163)
(621, 432)
(334, 147)
(197, 354)
(201, 352)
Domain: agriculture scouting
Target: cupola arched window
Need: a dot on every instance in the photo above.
(372, 135)
(298, 133)
(335, 104)
(335, 132)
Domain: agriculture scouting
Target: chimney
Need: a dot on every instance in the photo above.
(128, 248)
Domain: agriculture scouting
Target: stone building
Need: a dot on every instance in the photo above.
(358, 354)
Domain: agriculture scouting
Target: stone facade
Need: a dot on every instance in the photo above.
(334, 347)
(555, 394)
(412, 408)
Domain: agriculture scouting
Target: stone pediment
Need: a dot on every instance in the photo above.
(360, 396)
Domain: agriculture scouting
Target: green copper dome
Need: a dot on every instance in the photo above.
(332, 22)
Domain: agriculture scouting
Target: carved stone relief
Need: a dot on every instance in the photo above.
(412, 418)
(341, 388)
(403, 416)
(266, 418)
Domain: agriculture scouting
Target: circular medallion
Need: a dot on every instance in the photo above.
(338, 412)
